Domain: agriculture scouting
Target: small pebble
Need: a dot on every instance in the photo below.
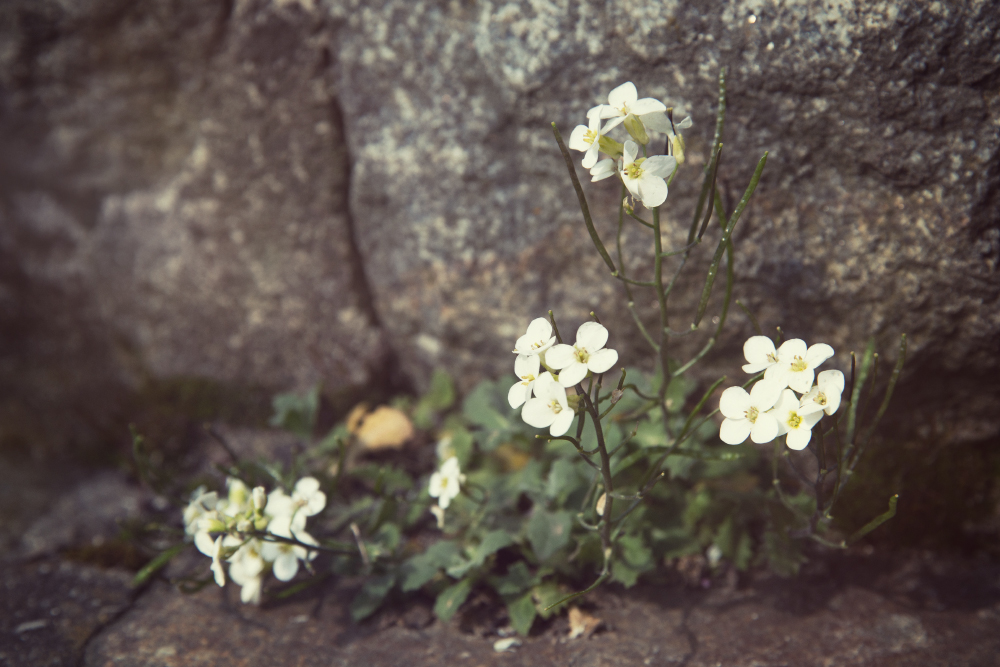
(508, 644)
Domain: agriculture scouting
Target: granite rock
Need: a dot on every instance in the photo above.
(877, 213)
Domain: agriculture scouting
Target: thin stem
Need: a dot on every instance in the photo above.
(680, 251)
(638, 219)
(584, 208)
(753, 320)
(555, 328)
(641, 326)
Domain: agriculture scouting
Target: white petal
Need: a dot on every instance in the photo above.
(828, 380)
(591, 336)
(527, 365)
(757, 367)
(536, 413)
(613, 123)
(734, 431)
(596, 112)
(590, 158)
(307, 486)
(647, 105)
(660, 165)
(632, 184)
(518, 394)
(801, 381)
(539, 328)
(286, 566)
(832, 402)
(656, 121)
(798, 438)
(250, 593)
(685, 124)
(623, 95)
(572, 374)
(602, 360)
(630, 151)
(817, 354)
(757, 349)
(765, 394)
(809, 421)
(562, 423)
(765, 429)
(577, 140)
(734, 403)
(560, 356)
(204, 542)
(603, 169)
(652, 190)
(795, 347)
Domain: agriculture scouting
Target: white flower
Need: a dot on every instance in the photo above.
(644, 177)
(623, 101)
(438, 513)
(220, 574)
(306, 499)
(606, 168)
(538, 338)
(237, 501)
(246, 567)
(760, 353)
(658, 122)
(796, 363)
(259, 499)
(588, 354)
(446, 483)
(286, 556)
(825, 395)
(201, 504)
(549, 408)
(746, 414)
(798, 426)
(588, 139)
(525, 367)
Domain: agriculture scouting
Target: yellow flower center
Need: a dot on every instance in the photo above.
(554, 406)
(820, 399)
(529, 378)
(799, 365)
(752, 414)
(581, 355)
(633, 170)
(773, 358)
(590, 136)
(794, 420)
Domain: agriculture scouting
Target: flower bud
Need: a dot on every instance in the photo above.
(678, 145)
(635, 128)
(259, 499)
(610, 147)
(601, 502)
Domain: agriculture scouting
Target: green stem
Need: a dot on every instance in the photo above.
(584, 208)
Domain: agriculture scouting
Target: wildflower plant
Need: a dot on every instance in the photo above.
(575, 472)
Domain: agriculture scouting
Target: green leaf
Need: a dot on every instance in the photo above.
(451, 598)
(634, 559)
(371, 596)
(678, 392)
(563, 480)
(491, 543)
(296, 413)
(546, 594)
(522, 612)
(439, 397)
(548, 532)
(153, 566)
(517, 580)
(650, 434)
(419, 569)
(783, 555)
(480, 409)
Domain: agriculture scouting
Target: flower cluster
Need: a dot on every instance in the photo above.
(551, 407)
(254, 530)
(771, 408)
(645, 177)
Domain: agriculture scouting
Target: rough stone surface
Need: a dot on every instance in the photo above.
(49, 609)
(173, 208)
(877, 213)
(769, 623)
(262, 195)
